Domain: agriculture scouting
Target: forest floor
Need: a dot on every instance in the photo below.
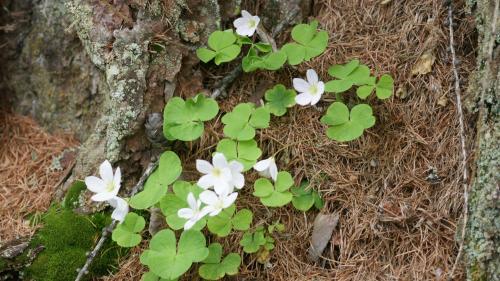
(397, 189)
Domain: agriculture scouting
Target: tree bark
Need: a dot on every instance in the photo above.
(482, 245)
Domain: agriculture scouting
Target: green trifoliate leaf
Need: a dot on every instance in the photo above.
(150, 276)
(347, 126)
(183, 120)
(263, 47)
(385, 87)
(243, 120)
(245, 152)
(156, 186)
(168, 259)
(225, 221)
(276, 195)
(153, 191)
(215, 269)
(304, 199)
(171, 203)
(279, 99)
(310, 43)
(349, 74)
(252, 241)
(271, 61)
(223, 47)
(126, 233)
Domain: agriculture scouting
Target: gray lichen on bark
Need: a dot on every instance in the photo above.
(482, 243)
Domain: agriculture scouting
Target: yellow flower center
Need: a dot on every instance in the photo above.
(110, 186)
(216, 172)
(313, 89)
(251, 23)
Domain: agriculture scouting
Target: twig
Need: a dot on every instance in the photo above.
(265, 37)
(90, 257)
(462, 142)
(108, 229)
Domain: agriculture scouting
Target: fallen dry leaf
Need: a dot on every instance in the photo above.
(402, 92)
(424, 64)
(323, 227)
(442, 101)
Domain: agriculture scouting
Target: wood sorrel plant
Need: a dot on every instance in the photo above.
(209, 203)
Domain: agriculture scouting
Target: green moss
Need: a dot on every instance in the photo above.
(72, 198)
(67, 237)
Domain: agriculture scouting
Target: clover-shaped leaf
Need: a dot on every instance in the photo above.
(349, 74)
(270, 61)
(245, 152)
(183, 120)
(276, 195)
(345, 125)
(223, 47)
(172, 202)
(156, 186)
(279, 99)
(169, 260)
(383, 88)
(243, 120)
(310, 43)
(126, 233)
(303, 198)
(150, 276)
(252, 241)
(225, 221)
(215, 269)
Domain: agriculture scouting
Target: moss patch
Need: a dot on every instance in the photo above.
(67, 237)
(72, 198)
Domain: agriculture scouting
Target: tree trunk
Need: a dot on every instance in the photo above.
(482, 243)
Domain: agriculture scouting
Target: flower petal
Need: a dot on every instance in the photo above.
(303, 99)
(315, 99)
(229, 200)
(117, 180)
(121, 208)
(321, 87)
(206, 181)
(209, 197)
(262, 165)
(192, 201)
(236, 166)
(95, 184)
(240, 22)
(273, 171)
(203, 166)
(312, 76)
(245, 14)
(223, 188)
(185, 213)
(189, 224)
(103, 196)
(219, 160)
(238, 180)
(300, 85)
(106, 171)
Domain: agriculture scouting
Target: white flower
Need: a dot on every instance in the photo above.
(267, 168)
(107, 186)
(216, 203)
(310, 90)
(193, 214)
(218, 175)
(237, 178)
(247, 24)
(121, 208)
